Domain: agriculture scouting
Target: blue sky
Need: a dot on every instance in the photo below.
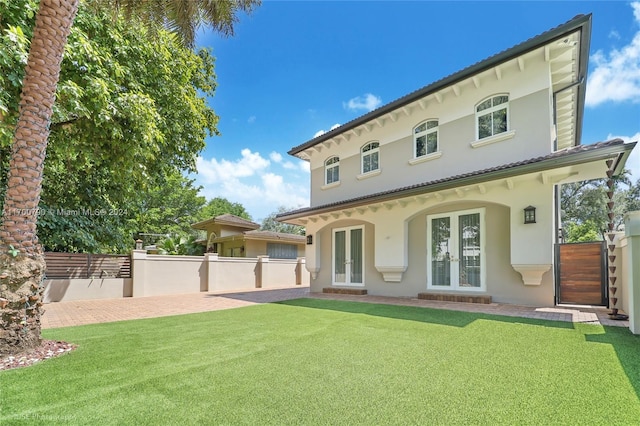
(296, 68)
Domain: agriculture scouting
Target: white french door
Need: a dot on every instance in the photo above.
(348, 259)
(456, 259)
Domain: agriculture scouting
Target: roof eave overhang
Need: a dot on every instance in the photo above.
(202, 225)
(618, 153)
(585, 45)
(582, 23)
(236, 224)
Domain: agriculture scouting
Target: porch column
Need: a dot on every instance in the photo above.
(632, 232)
(391, 246)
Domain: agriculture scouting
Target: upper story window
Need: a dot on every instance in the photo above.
(332, 170)
(425, 138)
(492, 116)
(370, 157)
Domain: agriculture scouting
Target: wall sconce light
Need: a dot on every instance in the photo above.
(529, 214)
(309, 240)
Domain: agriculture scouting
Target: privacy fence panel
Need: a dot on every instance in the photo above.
(85, 265)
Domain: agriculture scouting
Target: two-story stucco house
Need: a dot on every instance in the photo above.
(453, 188)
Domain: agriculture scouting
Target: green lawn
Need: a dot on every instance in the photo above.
(329, 362)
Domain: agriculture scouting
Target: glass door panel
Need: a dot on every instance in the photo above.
(441, 255)
(356, 256)
(340, 259)
(469, 250)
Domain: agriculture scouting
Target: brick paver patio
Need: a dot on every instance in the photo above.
(64, 314)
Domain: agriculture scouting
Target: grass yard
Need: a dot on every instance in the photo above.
(328, 362)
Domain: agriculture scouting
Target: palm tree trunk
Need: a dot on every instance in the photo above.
(22, 271)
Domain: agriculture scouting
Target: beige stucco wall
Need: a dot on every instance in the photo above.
(154, 275)
(236, 273)
(174, 275)
(282, 273)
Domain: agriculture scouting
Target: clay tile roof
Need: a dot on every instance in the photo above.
(234, 220)
(226, 219)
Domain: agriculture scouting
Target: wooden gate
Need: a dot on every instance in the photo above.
(581, 273)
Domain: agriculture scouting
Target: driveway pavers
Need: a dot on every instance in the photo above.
(65, 314)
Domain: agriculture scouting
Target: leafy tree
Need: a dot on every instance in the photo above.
(177, 245)
(271, 224)
(94, 163)
(170, 208)
(20, 295)
(633, 197)
(584, 209)
(218, 206)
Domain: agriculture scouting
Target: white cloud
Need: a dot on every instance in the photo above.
(249, 181)
(214, 171)
(282, 194)
(298, 166)
(633, 162)
(275, 157)
(368, 102)
(616, 75)
(251, 119)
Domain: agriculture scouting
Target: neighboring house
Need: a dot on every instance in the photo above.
(232, 236)
(429, 193)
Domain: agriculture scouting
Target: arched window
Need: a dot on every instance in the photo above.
(425, 138)
(492, 116)
(332, 170)
(370, 157)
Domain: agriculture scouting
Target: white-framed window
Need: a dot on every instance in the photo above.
(370, 157)
(492, 116)
(425, 138)
(282, 251)
(332, 170)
